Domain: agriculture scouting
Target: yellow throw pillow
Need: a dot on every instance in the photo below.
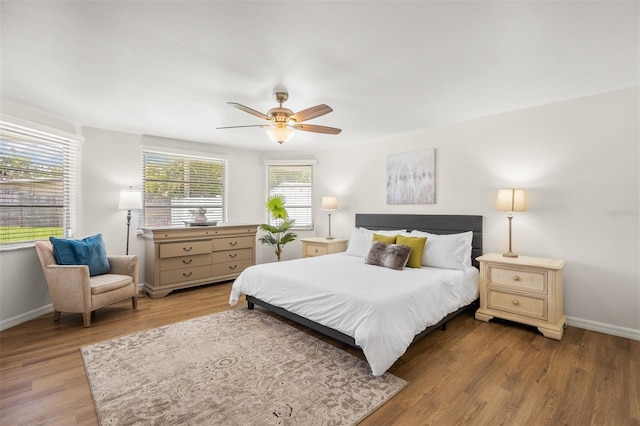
(389, 239)
(417, 246)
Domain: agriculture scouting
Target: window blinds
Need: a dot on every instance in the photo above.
(39, 177)
(295, 182)
(176, 186)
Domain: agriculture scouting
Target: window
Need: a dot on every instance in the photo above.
(295, 182)
(38, 181)
(176, 186)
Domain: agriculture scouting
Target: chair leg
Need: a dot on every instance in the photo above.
(86, 319)
(134, 302)
(56, 315)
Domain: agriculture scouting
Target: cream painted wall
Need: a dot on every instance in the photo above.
(578, 161)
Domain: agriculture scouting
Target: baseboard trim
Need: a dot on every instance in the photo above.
(600, 327)
(27, 316)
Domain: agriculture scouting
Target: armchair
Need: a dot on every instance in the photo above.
(73, 290)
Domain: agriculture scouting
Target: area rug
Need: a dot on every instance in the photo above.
(237, 367)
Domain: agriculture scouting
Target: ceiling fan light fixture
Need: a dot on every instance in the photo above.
(283, 122)
(280, 134)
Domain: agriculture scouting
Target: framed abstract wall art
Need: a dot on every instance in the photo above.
(411, 177)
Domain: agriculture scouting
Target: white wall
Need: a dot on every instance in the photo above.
(23, 291)
(578, 161)
(112, 161)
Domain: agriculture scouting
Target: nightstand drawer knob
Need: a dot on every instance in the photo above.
(515, 278)
(515, 302)
(316, 250)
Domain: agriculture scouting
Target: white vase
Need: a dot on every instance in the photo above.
(199, 218)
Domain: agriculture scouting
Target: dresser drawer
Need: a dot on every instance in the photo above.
(519, 279)
(186, 248)
(234, 267)
(518, 304)
(231, 255)
(169, 263)
(315, 250)
(186, 274)
(232, 243)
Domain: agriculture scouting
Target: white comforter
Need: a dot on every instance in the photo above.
(382, 309)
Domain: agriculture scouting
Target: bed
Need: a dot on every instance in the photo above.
(379, 310)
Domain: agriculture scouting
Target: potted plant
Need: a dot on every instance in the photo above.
(199, 215)
(279, 235)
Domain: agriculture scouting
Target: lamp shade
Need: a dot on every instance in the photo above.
(130, 199)
(512, 200)
(329, 203)
(279, 134)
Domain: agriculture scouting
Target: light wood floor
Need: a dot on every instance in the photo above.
(473, 373)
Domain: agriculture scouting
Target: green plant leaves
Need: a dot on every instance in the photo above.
(275, 206)
(277, 236)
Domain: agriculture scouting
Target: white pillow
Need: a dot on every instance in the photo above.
(447, 251)
(360, 242)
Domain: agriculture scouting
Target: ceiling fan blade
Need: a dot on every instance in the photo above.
(249, 110)
(250, 125)
(316, 129)
(313, 112)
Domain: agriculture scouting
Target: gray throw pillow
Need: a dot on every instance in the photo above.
(392, 256)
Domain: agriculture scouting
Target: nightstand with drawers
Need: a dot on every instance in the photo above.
(318, 246)
(524, 289)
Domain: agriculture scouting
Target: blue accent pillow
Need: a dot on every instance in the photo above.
(89, 251)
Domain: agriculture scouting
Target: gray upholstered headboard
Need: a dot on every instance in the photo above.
(436, 224)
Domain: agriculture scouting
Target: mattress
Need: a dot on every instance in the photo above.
(382, 309)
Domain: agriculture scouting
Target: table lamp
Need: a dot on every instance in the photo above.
(130, 199)
(511, 200)
(329, 204)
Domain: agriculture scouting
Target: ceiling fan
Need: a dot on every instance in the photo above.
(283, 120)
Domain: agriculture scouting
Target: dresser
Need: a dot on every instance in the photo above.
(524, 289)
(182, 257)
(318, 246)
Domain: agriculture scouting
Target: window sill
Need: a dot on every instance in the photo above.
(16, 246)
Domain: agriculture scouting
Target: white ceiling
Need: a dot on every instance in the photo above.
(167, 68)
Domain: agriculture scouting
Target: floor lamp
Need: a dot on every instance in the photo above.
(511, 200)
(329, 204)
(130, 199)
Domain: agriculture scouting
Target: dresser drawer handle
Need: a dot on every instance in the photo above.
(515, 302)
(187, 261)
(187, 249)
(316, 250)
(233, 243)
(187, 275)
(233, 255)
(232, 267)
(515, 278)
